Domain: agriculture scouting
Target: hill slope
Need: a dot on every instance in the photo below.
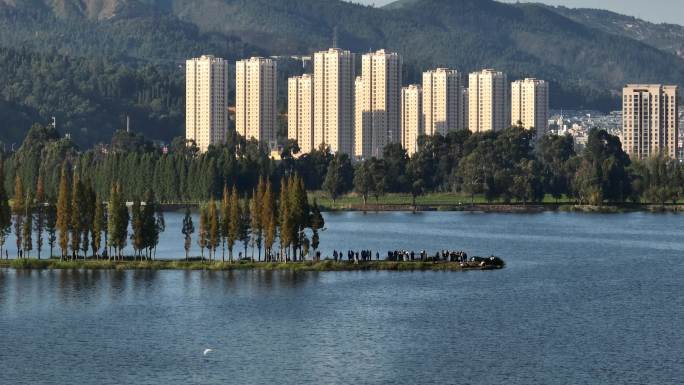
(666, 37)
(586, 65)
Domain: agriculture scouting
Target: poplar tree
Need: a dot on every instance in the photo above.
(27, 230)
(76, 215)
(87, 204)
(39, 222)
(284, 219)
(268, 219)
(245, 223)
(51, 224)
(202, 238)
(113, 216)
(122, 226)
(214, 229)
(187, 230)
(137, 227)
(225, 215)
(257, 224)
(63, 211)
(233, 222)
(98, 227)
(5, 210)
(316, 223)
(18, 211)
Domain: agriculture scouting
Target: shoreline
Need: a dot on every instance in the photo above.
(196, 265)
(488, 208)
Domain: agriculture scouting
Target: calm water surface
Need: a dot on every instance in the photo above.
(585, 299)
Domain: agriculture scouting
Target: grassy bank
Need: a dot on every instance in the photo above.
(219, 266)
(460, 202)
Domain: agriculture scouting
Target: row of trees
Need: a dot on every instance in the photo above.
(80, 221)
(259, 221)
(510, 165)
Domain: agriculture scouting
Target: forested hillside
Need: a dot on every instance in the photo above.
(667, 37)
(56, 50)
(90, 98)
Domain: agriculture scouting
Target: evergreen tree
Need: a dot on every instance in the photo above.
(5, 210)
(363, 181)
(160, 225)
(187, 230)
(19, 213)
(39, 220)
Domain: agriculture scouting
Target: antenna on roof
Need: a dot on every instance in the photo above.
(334, 42)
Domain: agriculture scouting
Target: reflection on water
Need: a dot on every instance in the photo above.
(584, 299)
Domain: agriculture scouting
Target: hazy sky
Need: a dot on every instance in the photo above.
(670, 11)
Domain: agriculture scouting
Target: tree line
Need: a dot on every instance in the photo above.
(513, 165)
(80, 222)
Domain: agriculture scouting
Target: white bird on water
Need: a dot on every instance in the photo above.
(207, 351)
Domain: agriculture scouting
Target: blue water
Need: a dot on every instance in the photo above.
(584, 299)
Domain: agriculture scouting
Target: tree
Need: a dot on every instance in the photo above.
(27, 230)
(51, 224)
(245, 233)
(225, 219)
(64, 211)
(187, 230)
(233, 222)
(284, 219)
(77, 215)
(339, 178)
(5, 210)
(203, 236)
(18, 207)
(98, 227)
(317, 223)
(268, 219)
(137, 236)
(214, 234)
(39, 220)
(363, 181)
(256, 216)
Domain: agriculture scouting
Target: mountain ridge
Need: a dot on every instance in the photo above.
(585, 65)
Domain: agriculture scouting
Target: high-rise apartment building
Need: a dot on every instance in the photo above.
(379, 104)
(206, 96)
(488, 105)
(530, 104)
(650, 120)
(300, 117)
(412, 99)
(443, 107)
(255, 99)
(333, 83)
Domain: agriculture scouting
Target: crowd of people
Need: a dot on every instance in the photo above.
(399, 255)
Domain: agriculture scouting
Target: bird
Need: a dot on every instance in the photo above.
(207, 351)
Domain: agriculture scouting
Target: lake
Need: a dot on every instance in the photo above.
(584, 299)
